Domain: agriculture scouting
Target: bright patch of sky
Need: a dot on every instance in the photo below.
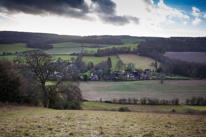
(163, 18)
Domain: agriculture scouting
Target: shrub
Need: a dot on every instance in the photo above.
(129, 101)
(114, 100)
(188, 101)
(164, 102)
(107, 101)
(135, 101)
(74, 105)
(10, 82)
(204, 102)
(153, 101)
(143, 101)
(175, 101)
(193, 100)
(199, 100)
(124, 109)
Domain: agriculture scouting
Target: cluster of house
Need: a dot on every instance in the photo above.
(115, 75)
(119, 75)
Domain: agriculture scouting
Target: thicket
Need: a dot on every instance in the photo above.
(23, 81)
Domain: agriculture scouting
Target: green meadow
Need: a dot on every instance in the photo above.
(63, 50)
(13, 48)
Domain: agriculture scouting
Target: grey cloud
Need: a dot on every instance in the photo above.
(69, 8)
(119, 20)
(104, 9)
(104, 6)
(148, 3)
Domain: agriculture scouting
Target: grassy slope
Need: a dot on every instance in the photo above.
(49, 122)
(131, 40)
(139, 61)
(181, 89)
(19, 47)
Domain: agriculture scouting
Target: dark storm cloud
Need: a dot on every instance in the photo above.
(70, 8)
(104, 6)
(106, 10)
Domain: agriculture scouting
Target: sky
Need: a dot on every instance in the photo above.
(161, 18)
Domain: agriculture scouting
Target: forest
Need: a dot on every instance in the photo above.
(157, 48)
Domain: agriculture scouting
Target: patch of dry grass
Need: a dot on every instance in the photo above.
(48, 122)
(139, 61)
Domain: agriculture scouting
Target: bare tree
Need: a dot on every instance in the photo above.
(41, 67)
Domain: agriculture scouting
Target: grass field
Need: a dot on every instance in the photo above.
(10, 57)
(199, 57)
(97, 60)
(49, 122)
(63, 50)
(131, 40)
(181, 89)
(13, 48)
(139, 61)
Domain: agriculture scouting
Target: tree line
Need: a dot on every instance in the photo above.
(157, 48)
(110, 51)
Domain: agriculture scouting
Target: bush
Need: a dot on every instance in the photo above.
(107, 101)
(175, 101)
(143, 101)
(135, 101)
(124, 109)
(10, 82)
(114, 100)
(164, 102)
(74, 105)
(193, 100)
(129, 101)
(153, 101)
(199, 100)
(188, 102)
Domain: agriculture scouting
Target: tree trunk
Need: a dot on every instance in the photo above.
(46, 98)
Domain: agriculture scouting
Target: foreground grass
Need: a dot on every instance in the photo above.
(49, 122)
